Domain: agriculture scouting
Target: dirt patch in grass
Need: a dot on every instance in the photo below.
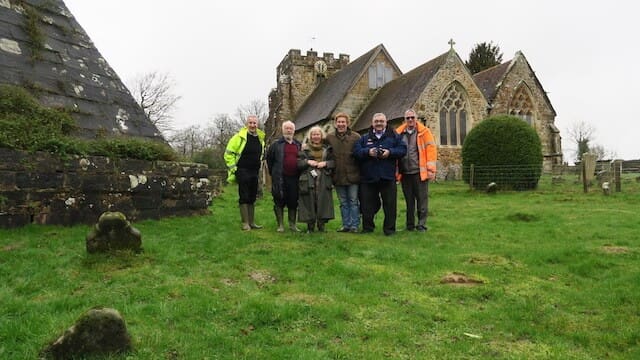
(460, 279)
(10, 247)
(262, 277)
(610, 249)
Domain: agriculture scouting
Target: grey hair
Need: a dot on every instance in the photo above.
(317, 128)
(288, 122)
(411, 111)
(379, 114)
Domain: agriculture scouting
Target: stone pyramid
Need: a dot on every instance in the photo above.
(44, 50)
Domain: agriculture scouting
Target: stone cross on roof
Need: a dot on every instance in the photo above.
(451, 42)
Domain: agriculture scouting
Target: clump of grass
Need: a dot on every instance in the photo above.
(525, 217)
(31, 26)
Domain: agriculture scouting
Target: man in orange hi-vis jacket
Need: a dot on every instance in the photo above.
(416, 169)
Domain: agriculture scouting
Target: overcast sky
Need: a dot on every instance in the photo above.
(223, 54)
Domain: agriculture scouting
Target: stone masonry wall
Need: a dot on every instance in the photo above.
(428, 106)
(360, 95)
(296, 80)
(42, 189)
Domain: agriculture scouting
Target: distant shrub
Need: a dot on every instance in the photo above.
(27, 125)
(213, 157)
(134, 148)
(503, 149)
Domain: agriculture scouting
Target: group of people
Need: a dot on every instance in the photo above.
(364, 171)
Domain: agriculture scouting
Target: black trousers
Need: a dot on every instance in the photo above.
(415, 194)
(289, 193)
(383, 192)
(247, 180)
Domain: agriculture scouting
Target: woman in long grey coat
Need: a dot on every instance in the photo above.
(316, 163)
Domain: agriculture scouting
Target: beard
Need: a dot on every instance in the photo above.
(288, 137)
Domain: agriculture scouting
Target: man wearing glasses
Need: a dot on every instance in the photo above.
(416, 169)
(378, 152)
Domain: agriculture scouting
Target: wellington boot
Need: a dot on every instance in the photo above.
(320, 226)
(244, 214)
(310, 228)
(279, 217)
(292, 221)
(251, 213)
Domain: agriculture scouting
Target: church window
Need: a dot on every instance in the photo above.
(379, 74)
(453, 116)
(521, 105)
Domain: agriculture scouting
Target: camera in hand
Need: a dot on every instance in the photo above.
(379, 152)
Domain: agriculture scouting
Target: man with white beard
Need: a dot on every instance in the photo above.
(282, 158)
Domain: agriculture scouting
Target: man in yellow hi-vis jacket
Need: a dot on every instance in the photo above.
(243, 157)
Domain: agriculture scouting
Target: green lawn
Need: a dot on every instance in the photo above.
(552, 274)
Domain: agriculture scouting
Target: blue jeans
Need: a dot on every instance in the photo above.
(349, 205)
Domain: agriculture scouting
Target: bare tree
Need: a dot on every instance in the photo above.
(602, 153)
(187, 141)
(154, 92)
(224, 127)
(581, 134)
(255, 107)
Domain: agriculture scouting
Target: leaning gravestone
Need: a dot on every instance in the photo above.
(113, 232)
(589, 163)
(100, 331)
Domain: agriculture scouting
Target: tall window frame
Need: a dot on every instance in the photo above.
(454, 115)
(380, 73)
(521, 105)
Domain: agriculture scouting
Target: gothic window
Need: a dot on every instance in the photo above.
(453, 116)
(379, 74)
(521, 105)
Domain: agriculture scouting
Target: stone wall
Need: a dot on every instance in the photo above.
(429, 102)
(42, 189)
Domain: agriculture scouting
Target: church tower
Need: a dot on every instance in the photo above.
(296, 77)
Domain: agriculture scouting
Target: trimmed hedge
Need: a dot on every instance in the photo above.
(27, 125)
(503, 149)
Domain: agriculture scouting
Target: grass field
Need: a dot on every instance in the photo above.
(546, 274)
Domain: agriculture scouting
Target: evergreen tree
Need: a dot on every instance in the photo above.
(483, 56)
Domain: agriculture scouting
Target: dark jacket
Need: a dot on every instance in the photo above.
(315, 196)
(275, 163)
(347, 171)
(376, 169)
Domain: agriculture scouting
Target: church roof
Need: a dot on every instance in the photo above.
(63, 68)
(323, 101)
(489, 80)
(400, 94)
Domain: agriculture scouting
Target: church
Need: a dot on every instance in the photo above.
(450, 100)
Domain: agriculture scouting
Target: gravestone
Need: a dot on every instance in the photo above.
(100, 331)
(113, 232)
(589, 164)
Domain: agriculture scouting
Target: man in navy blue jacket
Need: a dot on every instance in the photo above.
(378, 152)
